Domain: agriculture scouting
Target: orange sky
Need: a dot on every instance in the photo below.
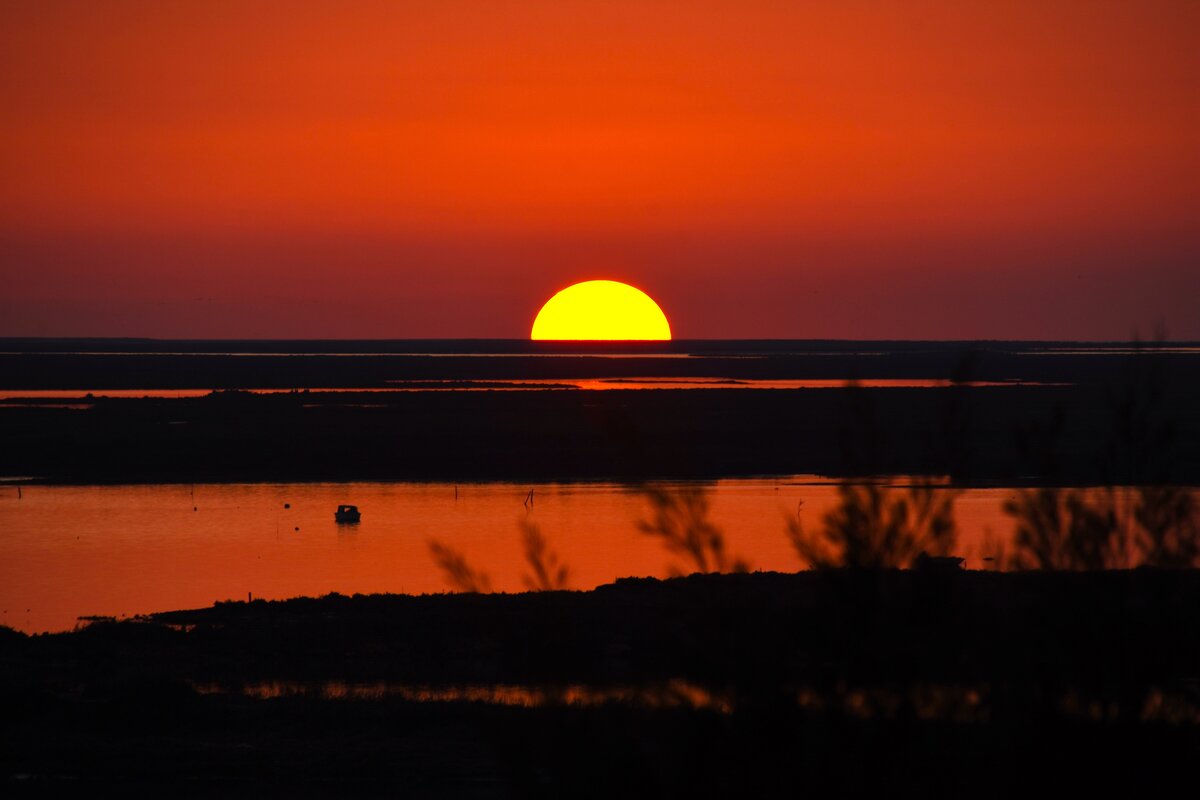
(841, 169)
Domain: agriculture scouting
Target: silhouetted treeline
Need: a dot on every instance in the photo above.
(1138, 515)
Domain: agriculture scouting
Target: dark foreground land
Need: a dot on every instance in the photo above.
(853, 683)
(1064, 414)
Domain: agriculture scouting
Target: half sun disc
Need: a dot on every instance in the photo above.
(601, 310)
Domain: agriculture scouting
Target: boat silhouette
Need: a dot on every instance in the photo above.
(346, 513)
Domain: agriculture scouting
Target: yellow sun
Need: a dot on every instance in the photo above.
(601, 310)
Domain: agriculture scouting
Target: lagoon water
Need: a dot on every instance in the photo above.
(70, 551)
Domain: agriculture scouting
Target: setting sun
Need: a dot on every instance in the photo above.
(601, 310)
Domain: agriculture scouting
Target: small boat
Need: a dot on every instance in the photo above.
(347, 514)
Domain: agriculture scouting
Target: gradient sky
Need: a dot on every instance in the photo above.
(763, 169)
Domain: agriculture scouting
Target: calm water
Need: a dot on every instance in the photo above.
(67, 551)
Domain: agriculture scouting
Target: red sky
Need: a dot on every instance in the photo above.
(764, 169)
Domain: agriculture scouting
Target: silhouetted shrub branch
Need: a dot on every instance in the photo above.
(548, 572)
(1154, 523)
(458, 572)
(876, 526)
(680, 521)
(1105, 528)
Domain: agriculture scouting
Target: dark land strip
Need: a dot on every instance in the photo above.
(1072, 415)
(855, 682)
(152, 364)
(1002, 435)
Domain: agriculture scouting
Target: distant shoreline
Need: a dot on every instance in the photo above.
(1046, 419)
(618, 435)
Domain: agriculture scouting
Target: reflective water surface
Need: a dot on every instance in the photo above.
(68, 551)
